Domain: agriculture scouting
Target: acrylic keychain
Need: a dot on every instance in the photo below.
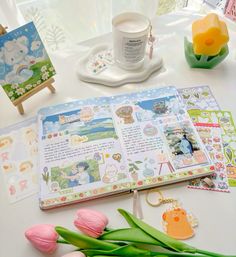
(151, 41)
(177, 223)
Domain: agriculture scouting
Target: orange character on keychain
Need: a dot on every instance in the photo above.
(177, 224)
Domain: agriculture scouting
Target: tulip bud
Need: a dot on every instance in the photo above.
(74, 254)
(90, 222)
(43, 237)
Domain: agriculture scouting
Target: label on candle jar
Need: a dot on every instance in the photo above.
(133, 49)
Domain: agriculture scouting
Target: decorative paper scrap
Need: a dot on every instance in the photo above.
(200, 98)
(18, 159)
(228, 132)
(211, 136)
(24, 63)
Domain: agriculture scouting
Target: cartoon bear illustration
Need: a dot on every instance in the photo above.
(26, 166)
(125, 112)
(15, 54)
(5, 142)
(8, 167)
(177, 224)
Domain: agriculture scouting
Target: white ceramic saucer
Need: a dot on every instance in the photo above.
(113, 75)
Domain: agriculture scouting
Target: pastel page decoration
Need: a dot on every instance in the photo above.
(176, 221)
(228, 133)
(210, 134)
(18, 159)
(110, 145)
(24, 63)
(230, 10)
(209, 47)
(200, 98)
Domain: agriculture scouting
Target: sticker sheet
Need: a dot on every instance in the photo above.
(228, 131)
(210, 134)
(200, 98)
(18, 159)
(107, 145)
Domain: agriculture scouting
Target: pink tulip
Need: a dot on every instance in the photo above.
(90, 222)
(43, 237)
(74, 254)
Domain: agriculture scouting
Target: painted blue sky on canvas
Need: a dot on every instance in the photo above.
(35, 47)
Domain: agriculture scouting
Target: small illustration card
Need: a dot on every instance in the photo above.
(210, 134)
(200, 98)
(24, 63)
(110, 145)
(18, 159)
(228, 130)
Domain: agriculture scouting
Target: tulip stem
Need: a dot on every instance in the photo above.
(62, 241)
(213, 254)
(108, 229)
(176, 254)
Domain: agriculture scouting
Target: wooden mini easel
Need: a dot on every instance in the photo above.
(48, 83)
(18, 102)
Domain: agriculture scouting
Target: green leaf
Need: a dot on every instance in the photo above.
(135, 166)
(134, 235)
(128, 250)
(131, 169)
(158, 235)
(138, 162)
(83, 241)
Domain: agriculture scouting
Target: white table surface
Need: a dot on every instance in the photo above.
(215, 211)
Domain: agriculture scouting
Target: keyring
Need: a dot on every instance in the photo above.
(160, 200)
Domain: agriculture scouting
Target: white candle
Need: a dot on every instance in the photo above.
(132, 26)
(130, 32)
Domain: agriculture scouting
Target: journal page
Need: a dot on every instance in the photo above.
(80, 153)
(158, 138)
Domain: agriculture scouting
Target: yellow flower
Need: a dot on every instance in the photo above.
(209, 35)
(107, 155)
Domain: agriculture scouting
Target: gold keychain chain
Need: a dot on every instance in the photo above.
(161, 199)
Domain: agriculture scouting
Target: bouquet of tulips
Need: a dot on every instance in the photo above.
(98, 241)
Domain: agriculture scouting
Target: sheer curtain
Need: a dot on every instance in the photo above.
(63, 23)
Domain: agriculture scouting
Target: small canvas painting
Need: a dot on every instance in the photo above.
(24, 62)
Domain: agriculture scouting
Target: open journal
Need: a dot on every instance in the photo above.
(110, 145)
